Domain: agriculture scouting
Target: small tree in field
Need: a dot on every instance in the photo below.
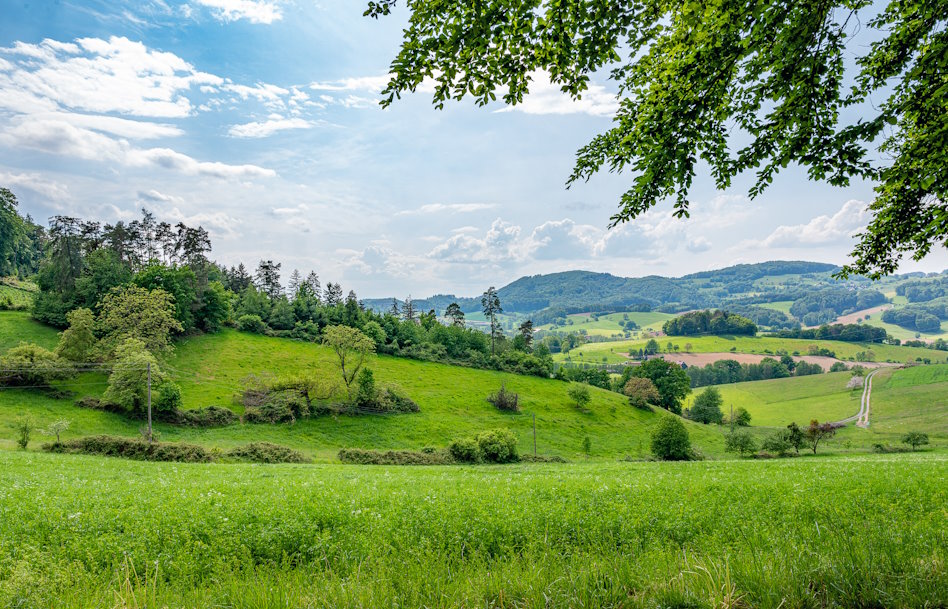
(707, 407)
(670, 441)
(740, 441)
(77, 341)
(352, 347)
(24, 427)
(915, 439)
(641, 392)
(579, 393)
(816, 433)
(505, 400)
(796, 437)
(56, 428)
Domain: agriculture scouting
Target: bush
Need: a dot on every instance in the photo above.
(498, 445)
(466, 450)
(391, 400)
(777, 442)
(885, 449)
(281, 406)
(915, 439)
(29, 365)
(740, 441)
(707, 407)
(251, 323)
(641, 392)
(579, 393)
(670, 441)
(508, 401)
(360, 456)
(212, 416)
(542, 459)
(24, 427)
(265, 452)
(741, 417)
(132, 448)
(272, 412)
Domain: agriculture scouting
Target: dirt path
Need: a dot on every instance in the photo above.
(862, 417)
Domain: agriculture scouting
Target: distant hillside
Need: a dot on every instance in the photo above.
(578, 291)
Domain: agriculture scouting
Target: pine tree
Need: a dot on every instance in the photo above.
(455, 314)
(296, 282)
(490, 302)
(408, 309)
(313, 287)
(268, 278)
(526, 331)
(394, 311)
(333, 294)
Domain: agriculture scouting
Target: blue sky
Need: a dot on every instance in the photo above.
(258, 119)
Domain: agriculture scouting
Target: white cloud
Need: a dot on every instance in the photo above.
(547, 98)
(254, 11)
(371, 84)
(433, 208)
(501, 243)
(49, 189)
(268, 127)
(852, 217)
(170, 159)
(154, 196)
(698, 244)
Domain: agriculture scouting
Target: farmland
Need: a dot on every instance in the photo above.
(609, 325)
(75, 531)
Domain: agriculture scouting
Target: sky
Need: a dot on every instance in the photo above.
(258, 119)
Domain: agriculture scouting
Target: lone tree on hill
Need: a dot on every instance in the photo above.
(816, 433)
(740, 87)
(490, 303)
(352, 347)
(915, 439)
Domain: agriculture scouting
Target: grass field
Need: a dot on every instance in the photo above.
(610, 352)
(80, 532)
(608, 325)
(18, 326)
(778, 305)
(453, 403)
(911, 399)
(779, 402)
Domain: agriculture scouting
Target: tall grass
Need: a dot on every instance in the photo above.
(842, 532)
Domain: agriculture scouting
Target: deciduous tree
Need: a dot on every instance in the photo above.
(352, 347)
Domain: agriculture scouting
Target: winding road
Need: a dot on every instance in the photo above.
(862, 417)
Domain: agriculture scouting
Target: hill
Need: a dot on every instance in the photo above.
(210, 369)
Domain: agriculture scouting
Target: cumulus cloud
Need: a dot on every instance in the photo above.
(254, 11)
(500, 243)
(63, 97)
(370, 84)
(547, 98)
(273, 124)
(852, 217)
(49, 189)
(434, 208)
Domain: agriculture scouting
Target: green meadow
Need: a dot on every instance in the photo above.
(608, 325)
(612, 352)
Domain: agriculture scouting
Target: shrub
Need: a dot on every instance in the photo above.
(542, 459)
(360, 456)
(741, 417)
(251, 323)
(24, 427)
(838, 367)
(391, 400)
(670, 441)
(466, 450)
(132, 448)
(498, 445)
(167, 397)
(211, 416)
(29, 365)
(885, 449)
(707, 407)
(271, 411)
(265, 452)
(641, 392)
(778, 442)
(579, 393)
(915, 439)
(741, 442)
(505, 400)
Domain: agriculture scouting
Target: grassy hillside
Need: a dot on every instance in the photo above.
(18, 326)
(807, 532)
(19, 292)
(610, 352)
(453, 403)
(779, 402)
(608, 325)
(911, 399)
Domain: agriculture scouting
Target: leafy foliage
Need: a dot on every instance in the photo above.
(670, 380)
(137, 313)
(670, 441)
(740, 441)
(739, 87)
(505, 400)
(707, 407)
(707, 322)
(29, 365)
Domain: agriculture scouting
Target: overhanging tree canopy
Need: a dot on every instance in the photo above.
(695, 78)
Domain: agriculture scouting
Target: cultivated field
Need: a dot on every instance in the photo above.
(608, 325)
